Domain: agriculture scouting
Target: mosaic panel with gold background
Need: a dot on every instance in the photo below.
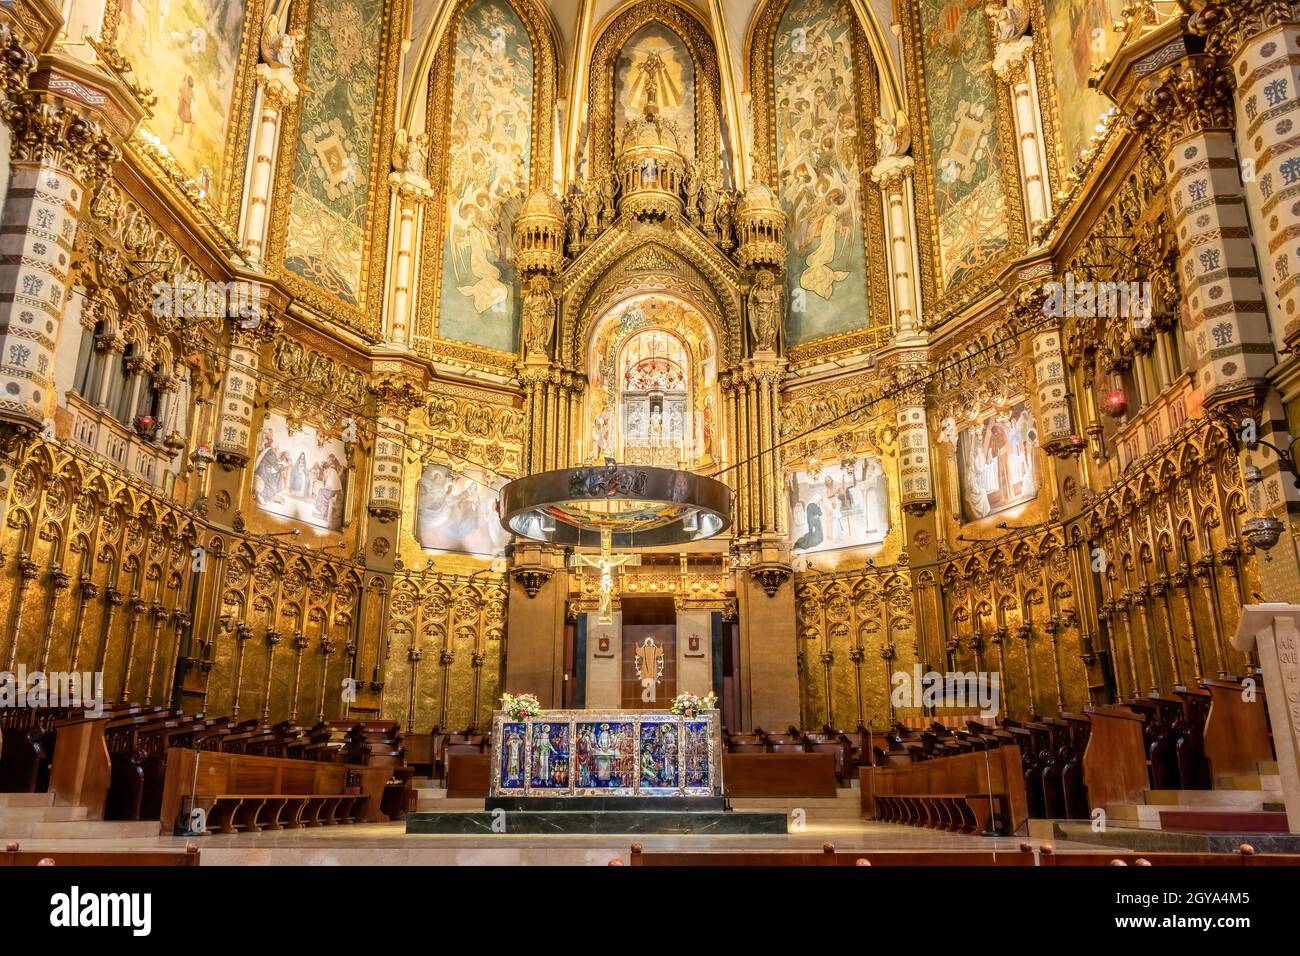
(656, 56)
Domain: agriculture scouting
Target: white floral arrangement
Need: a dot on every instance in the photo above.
(520, 706)
(688, 705)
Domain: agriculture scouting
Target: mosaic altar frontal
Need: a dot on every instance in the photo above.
(594, 753)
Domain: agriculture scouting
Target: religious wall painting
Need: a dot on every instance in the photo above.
(457, 511)
(512, 772)
(1081, 38)
(548, 767)
(655, 67)
(188, 52)
(660, 756)
(818, 163)
(605, 756)
(299, 473)
(325, 242)
(487, 171)
(998, 462)
(961, 101)
(842, 504)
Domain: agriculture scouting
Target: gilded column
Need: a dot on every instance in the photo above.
(1013, 64)
(276, 91)
(410, 193)
(238, 392)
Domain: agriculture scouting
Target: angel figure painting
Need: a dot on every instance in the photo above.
(457, 512)
(488, 145)
(187, 52)
(1081, 39)
(818, 165)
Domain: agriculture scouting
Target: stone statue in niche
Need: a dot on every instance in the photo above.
(764, 310)
(539, 315)
(893, 137)
(593, 203)
(1009, 19)
(278, 46)
(410, 153)
(709, 208)
(576, 216)
(692, 188)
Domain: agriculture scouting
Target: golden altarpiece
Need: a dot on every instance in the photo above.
(818, 254)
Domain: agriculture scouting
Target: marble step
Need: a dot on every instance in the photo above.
(1156, 816)
(80, 830)
(427, 783)
(46, 814)
(26, 800)
(425, 801)
(1249, 781)
(1234, 799)
(846, 806)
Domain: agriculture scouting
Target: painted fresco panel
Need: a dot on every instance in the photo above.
(458, 512)
(1081, 38)
(187, 52)
(325, 243)
(998, 462)
(299, 474)
(842, 505)
(819, 169)
(487, 175)
(970, 202)
(655, 55)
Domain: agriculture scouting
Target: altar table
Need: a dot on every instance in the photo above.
(599, 753)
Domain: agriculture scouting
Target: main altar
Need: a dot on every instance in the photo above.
(607, 753)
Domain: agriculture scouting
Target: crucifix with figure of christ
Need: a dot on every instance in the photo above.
(606, 561)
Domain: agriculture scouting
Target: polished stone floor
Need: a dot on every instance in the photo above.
(387, 844)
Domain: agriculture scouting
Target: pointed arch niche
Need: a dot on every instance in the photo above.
(815, 95)
(617, 56)
(653, 395)
(491, 95)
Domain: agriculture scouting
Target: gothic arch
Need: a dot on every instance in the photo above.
(760, 39)
(541, 35)
(658, 266)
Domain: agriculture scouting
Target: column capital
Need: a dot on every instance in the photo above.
(277, 84)
(1191, 95)
(1011, 59)
(50, 130)
(1227, 25)
(890, 173)
(410, 186)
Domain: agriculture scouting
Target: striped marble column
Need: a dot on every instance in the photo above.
(57, 153)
